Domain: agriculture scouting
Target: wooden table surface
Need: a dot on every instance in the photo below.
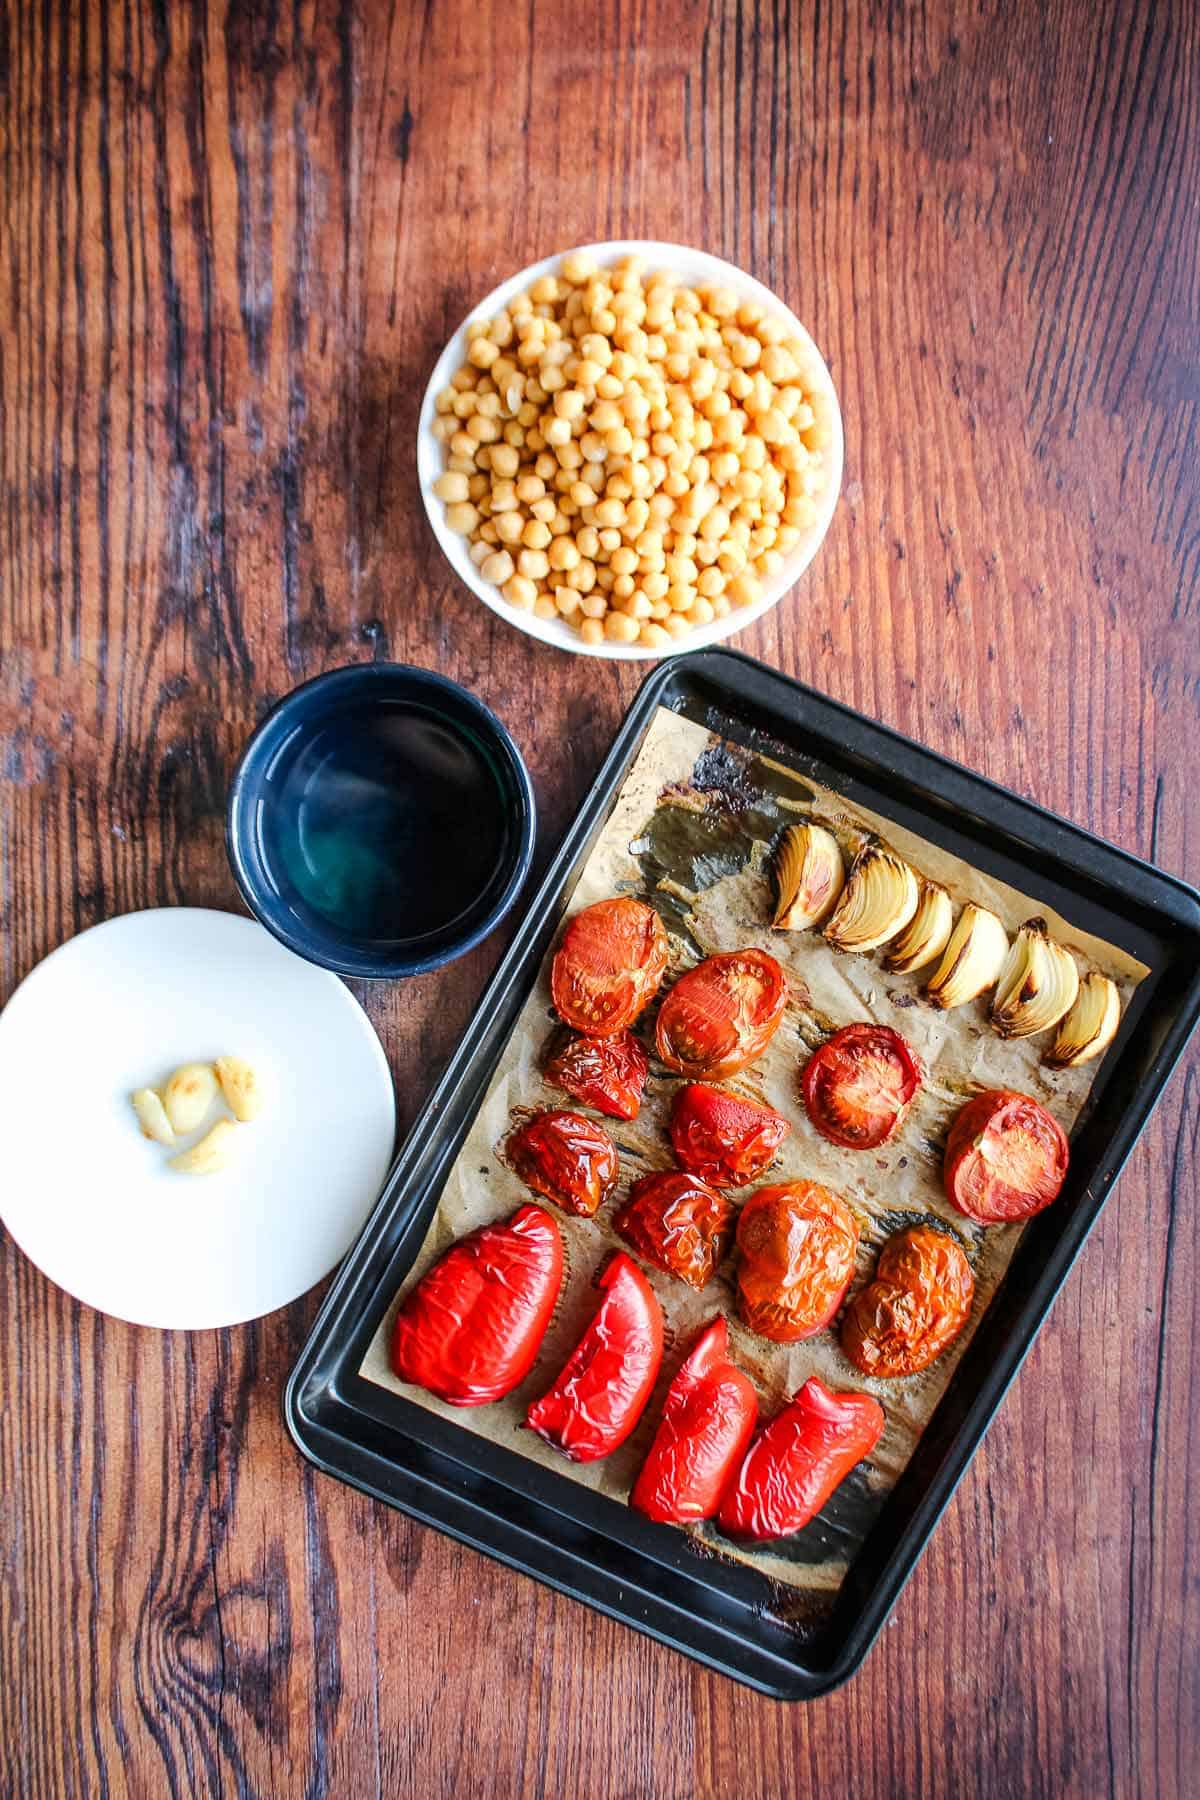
(232, 243)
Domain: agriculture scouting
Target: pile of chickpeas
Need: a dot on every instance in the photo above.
(630, 454)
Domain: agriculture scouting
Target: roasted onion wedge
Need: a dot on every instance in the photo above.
(927, 932)
(1090, 1025)
(809, 876)
(1036, 986)
(971, 960)
(878, 900)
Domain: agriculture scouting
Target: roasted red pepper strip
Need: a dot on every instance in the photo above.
(604, 1384)
(607, 1073)
(724, 1139)
(708, 1420)
(471, 1327)
(798, 1459)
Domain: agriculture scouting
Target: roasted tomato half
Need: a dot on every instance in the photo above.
(724, 1139)
(1006, 1158)
(917, 1303)
(678, 1223)
(608, 966)
(721, 1014)
(798, 1460)
(797, 1243)
(858, 1085)
(567, 1157)
(708, 1420)
(607, 1073)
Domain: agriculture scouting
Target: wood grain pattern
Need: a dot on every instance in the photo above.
(232, 241)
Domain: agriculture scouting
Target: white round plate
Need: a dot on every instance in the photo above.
(93, 1203)
(693, 266)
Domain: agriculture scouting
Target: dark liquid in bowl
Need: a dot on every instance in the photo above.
(389, 823)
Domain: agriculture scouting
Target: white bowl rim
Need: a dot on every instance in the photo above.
(693, 265)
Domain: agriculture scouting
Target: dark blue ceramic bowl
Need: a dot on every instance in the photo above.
(381, 821)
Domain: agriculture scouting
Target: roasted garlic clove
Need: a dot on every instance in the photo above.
(809, 876)
(1037, 983)
(878, 900)
(1089, 1027)
(927, 932)
(188, 1095)
(151, 1116)
(972, 959)
(240, 1086)
(210, 1154)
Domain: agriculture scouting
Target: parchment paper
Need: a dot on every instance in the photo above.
(691, 831)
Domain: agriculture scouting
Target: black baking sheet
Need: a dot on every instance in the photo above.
(585, 1543)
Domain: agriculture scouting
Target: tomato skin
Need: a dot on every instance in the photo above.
(679, 1223)
(914, 1306)
(708, 1419)
(724, 1139)
(607, 1073)
(601, 1390)
(567, 1157)
(797, 1244)
(859, 1084)
(470, 1329)
(721, 1014)
(1006, 1158)
(609, 965)
(797, 1461)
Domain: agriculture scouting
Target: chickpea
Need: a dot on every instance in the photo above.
(518, 590)
(578, 268)
(592, 631)
(620, 629)
(497, 568)
(564, 553)
(462, 517)
(744, 589)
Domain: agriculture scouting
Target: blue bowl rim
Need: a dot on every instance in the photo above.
(237, 821)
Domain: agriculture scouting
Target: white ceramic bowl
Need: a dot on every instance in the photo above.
(693, 266)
